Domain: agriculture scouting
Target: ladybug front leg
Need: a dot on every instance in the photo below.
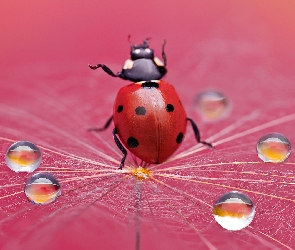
(197, 133)
(104, 127)
(105, 69)
(120, 146)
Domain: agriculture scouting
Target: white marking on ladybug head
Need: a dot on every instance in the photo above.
(128, 64)
(147, 50)
(137, 51)
(158, 61)
(141, 82)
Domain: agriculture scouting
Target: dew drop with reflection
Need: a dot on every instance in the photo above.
(42, 188)
(23, 156)
(234, 211)
(273, 147)
(212, 105)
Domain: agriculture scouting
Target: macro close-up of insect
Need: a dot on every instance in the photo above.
(148, 115)
(179, 137)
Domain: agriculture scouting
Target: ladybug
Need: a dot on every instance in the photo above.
(149, 118)
(143, 65)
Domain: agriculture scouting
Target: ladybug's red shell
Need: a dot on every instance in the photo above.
(150, 120)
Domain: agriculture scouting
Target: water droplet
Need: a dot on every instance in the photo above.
(23, 156)
(212, 105)
(234, 211)
(42, 188)
(273, 147)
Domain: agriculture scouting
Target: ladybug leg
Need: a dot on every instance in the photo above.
(105, 69)
(163, 53)
(197, 133)
(104, 127)
(120, 146)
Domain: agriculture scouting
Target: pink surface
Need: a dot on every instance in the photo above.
(49, 96)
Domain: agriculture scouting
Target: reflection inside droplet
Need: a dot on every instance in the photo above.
(212, 105)
(273, 147)
(234, 211)
(23, 156)
(42, 188)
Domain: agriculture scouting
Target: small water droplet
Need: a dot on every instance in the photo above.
(23, 156)
(234, 211)
(42, 188)
(273, 147)
(212, 105)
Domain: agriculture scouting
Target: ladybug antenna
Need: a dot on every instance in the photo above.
(163, 53)
(146, 41)
(129, 40)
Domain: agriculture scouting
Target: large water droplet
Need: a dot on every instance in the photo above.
(273, 147)
(42, 188)
(234, 211)
(23, 156)
(212, 105)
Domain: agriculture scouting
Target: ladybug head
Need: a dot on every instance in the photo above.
(141, 51)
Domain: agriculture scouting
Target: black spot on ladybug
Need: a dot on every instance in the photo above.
(179, 138)
(149, 85)
(120, 108)
(140, 110)
(132, 142)
(169, 107)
